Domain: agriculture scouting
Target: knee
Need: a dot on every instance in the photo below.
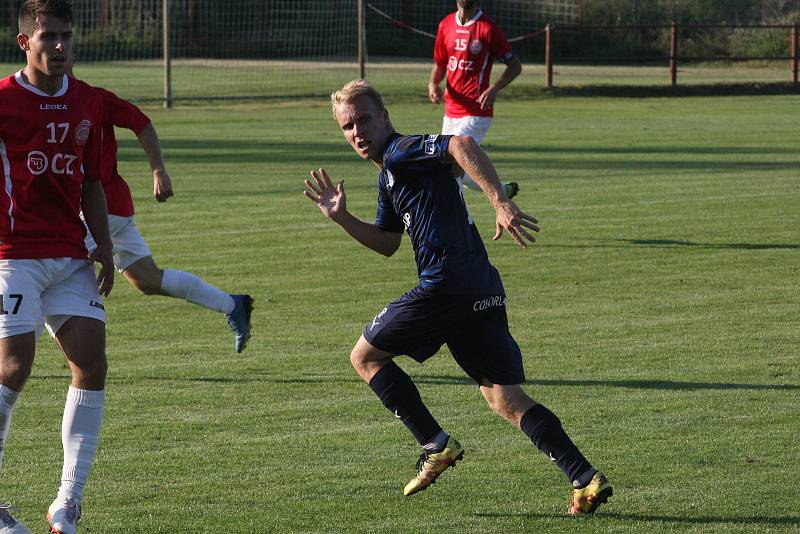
(358, 359)
(14, 373)
(93, 370)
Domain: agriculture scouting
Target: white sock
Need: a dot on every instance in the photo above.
(190, 287)
(8, 397)
(80, 432)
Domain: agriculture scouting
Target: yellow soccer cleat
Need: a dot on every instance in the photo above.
(586, 500)
(431, 465)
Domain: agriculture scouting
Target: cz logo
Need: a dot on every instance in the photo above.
(60, 164)
(455, 64)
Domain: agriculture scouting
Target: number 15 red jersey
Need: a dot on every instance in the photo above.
(467, 51)
(48, 146)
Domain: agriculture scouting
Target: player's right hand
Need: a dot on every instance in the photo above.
(435, 93)
(514, 221)
(162, 185)
(330, 199)
(105, 277)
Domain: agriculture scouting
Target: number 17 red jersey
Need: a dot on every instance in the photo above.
(48, 146)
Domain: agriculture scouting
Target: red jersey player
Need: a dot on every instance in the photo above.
(467, 42)
(50, 143)
(132, 256)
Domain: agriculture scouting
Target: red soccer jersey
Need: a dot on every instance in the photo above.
(121, 113)
(49, 145)
(467, 51)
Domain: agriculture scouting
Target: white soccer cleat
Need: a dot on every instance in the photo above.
(63, 516)
(9, 525)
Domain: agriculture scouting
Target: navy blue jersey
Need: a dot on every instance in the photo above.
(417, 191)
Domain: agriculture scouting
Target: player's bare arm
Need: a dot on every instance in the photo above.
(332, 202)
(435, 84)
(512, 70)
(93, 205)
(162, 183)
(469, 156)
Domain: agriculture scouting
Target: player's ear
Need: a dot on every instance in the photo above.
(22, 41)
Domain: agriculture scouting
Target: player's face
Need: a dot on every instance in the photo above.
(50, 47)
(466, 4)
(364, 126)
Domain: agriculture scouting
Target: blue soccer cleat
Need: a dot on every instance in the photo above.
(239, 320)
(8, 524)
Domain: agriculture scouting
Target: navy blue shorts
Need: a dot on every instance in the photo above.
(474, 327)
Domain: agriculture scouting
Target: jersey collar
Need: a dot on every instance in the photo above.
(61, 92)
(471, 21)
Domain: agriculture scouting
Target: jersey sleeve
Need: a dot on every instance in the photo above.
(499, 45)
(415, 154)
(440, 47)
(122, 113)
(93, 153)
(386, 218)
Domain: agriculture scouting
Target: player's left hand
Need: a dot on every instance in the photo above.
(487, 98)
(517, 223)
(105, 278)
(162, 185)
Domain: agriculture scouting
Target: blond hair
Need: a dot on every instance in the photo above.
(353, 90)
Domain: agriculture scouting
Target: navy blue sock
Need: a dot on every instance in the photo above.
(545, 431)
(399, 394)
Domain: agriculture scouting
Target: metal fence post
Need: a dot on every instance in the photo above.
(795, 52)
(167, 56)
(548, 57)
(362, 42)
(673, 55)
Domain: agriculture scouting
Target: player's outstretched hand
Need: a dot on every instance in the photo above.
(329, 198)
(105, 278)
(517, 223)
(162, 185)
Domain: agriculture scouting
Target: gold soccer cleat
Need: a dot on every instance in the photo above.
(586, 500)
(431, 465)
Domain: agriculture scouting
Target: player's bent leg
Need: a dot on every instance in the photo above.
(401, 397)
(145, 275)
(83, 341)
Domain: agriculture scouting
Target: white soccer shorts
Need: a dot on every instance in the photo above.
(129, 245)
(46, 292)
(475, 127)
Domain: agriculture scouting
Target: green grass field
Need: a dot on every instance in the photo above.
(658, 315)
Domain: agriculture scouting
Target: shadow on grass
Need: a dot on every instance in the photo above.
(630, 384)
(682, 243)
(255, 378)
(661, 91)
(679, 243)
(700, 520)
